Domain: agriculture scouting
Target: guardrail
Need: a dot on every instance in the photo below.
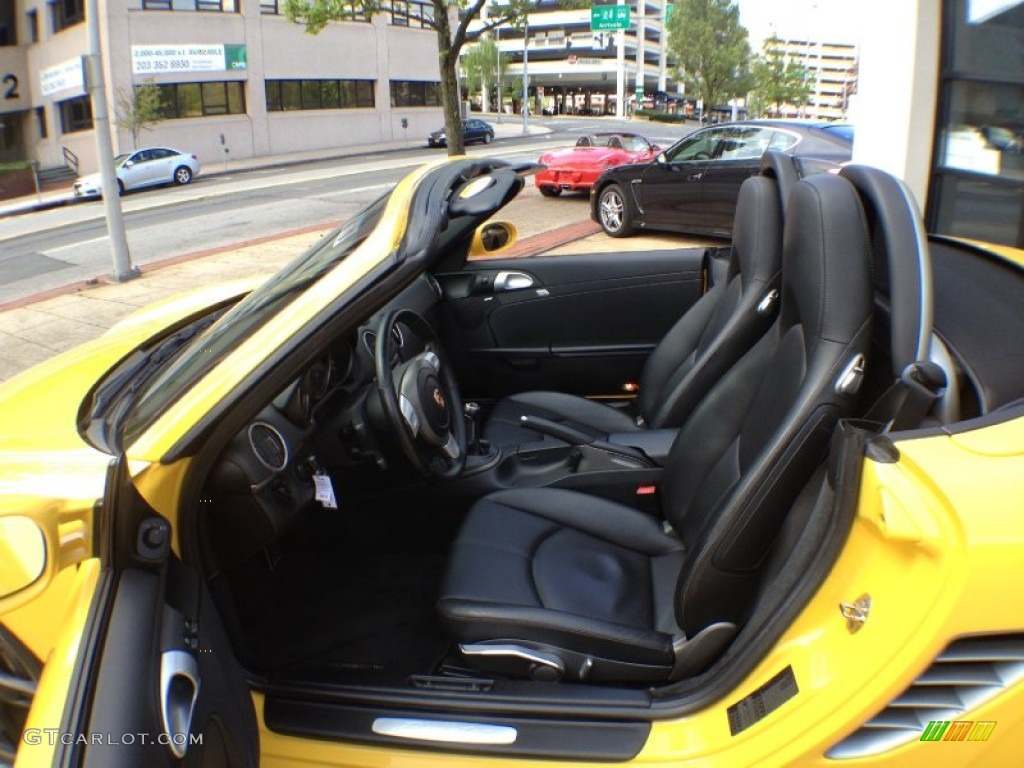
(70, 159)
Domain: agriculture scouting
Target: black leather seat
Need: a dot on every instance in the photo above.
(712, 335)
(559, 584)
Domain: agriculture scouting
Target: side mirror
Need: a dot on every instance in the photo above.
(22, 554)
(129, 163)
(661, 160)
(491, 237)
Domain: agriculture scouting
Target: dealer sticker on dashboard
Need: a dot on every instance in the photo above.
(324, 491)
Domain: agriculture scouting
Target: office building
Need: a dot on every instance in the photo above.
(236, 78)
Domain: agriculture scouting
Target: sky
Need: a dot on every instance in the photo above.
(831, 21)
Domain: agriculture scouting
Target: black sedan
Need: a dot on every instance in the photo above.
(692, 186)
(472, 130)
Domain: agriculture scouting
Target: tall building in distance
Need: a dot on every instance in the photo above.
(573, 69)
(832, 76)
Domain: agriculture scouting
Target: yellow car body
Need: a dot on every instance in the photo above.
(935, 553)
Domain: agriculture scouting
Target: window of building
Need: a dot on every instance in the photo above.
(75, 114)
(41, 122)
(214, 6)
(178, 100)
(67, 13)
(289, 95)
(412, 13)
(415, 93)
(33, 25)
(977, 186)
(8, 25)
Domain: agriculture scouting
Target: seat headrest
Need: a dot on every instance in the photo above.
(781, 167)
(901, 265)
(757, 230)
(826, 280)
(583, 141)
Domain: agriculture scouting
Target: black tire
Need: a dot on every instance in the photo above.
(488, 138)
(120, 188)
(182, 175)
(613, 212)
(550, 191)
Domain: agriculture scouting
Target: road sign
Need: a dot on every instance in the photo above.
(609, 17)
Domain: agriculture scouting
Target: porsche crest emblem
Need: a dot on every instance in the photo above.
(438, 398)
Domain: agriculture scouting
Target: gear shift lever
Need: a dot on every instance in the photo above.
(470, 411)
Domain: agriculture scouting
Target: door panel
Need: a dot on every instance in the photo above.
(671, 194)
(720, 188)
(164, 687)
(582, 324)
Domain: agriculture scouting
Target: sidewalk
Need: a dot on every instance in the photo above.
(506, 129)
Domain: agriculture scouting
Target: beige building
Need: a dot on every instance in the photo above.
(832, 76)
(236, 78)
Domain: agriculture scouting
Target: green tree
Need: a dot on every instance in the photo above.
(482, 64)
(711, 49)
(138, 109)
(437, 15)
(779, 79)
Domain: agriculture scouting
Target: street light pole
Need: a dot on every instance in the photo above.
(526, 74)
(620, 70)
(123, 269)
(497, 67)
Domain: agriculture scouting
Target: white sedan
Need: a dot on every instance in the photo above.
(143, 168)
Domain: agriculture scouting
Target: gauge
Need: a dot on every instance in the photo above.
(317, 379)
(268, 445)
(434, 285)
(370, 339)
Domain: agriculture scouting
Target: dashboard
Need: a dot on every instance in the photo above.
(323, 430)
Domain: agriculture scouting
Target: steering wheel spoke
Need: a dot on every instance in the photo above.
(421, 399)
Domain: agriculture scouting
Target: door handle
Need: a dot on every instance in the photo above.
(512, 281)
(695, 176)
(179, 691)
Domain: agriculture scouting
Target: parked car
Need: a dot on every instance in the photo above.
(148, 167)
(577, 168)
(472, 130)
(692, 185)
(219, 545)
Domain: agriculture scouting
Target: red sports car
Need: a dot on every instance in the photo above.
(577, 168)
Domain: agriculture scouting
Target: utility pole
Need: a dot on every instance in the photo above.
(663, 54)
(526, 73)
(620, 70)
(93, 65)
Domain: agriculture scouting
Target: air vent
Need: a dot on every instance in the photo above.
(968, 673)
(268, 445)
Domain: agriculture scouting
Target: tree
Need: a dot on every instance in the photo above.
(779, 79)
(711, 49)
(138, 109)
(482, 65)
(316, 14)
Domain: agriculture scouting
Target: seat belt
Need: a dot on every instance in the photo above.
(905, 404)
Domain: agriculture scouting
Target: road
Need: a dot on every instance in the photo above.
(49, 249)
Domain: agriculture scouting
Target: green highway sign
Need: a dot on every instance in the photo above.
(609, 17)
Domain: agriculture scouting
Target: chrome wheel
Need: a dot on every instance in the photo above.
(183, 175)
(613, 212)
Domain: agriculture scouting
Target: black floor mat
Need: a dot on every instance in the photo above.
(360, 615)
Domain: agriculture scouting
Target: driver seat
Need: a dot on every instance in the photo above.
(557, 584)
(712, 335)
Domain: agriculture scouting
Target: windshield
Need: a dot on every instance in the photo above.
(250, 314)
(120, 159)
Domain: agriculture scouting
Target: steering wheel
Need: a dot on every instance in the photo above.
(420, 398)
